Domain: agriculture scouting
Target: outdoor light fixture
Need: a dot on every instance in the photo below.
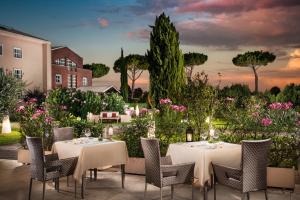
(6, 128)
(189, 134)
(137, 111)
(207, 120)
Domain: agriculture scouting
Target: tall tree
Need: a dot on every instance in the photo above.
(124, 78)
(167, 76)
(191, 60)
(135, 65)
(98, 69)
(254, 60)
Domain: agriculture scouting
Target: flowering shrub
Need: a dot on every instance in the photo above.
(35, 121)
(169, 123)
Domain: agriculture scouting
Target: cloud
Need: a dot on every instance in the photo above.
(103, 22)
(230, 6)
(263, 27)
(143, 34)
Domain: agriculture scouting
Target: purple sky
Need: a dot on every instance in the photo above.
(97, 29)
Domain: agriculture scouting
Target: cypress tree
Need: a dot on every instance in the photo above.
(124, 78)
(166, 69)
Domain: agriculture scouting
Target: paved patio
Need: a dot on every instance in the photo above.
(14, 186)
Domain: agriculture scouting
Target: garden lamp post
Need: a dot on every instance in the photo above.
(189, 134)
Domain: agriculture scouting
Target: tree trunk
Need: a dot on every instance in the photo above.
(133, 82)
(256, 79)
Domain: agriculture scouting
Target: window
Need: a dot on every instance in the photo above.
(60, 61)
(1, 49)
(17, 52)
(84, 81)
(69, 81)
(74, 81)
(58, 78)
(18, 73)
(73, 64)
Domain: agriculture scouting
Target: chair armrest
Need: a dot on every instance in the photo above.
(184, 172)
(222, 172)
(166, 160)
(51, 157)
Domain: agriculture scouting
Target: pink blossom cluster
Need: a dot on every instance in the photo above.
(255, 114)
(48, 120)
(20, 109)
(144, 110)
(266, 121)
(63, 107)
(165, 101)
(281, 106)
(298, 122)
(38, 113)
(178, 108)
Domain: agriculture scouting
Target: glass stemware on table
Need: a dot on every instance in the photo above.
(87, 132)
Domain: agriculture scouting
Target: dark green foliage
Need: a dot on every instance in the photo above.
(237, 91)
(132, 135)
(124, 78)
(291, 93)
(10, 89)
(275, 90)
(98, 69)
(36, 94)
(255, 60)
(199, 97)
(113, 102)
(191, 60)
(165, 59)
(138, 93)
(284, 150)
(135, 64)
(80, 125)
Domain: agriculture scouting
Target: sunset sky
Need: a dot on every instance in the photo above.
(97, 29)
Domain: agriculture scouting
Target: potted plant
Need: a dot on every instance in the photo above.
(35, 122)
(131, 135)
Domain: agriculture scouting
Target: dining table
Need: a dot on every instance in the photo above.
(203, 154)
(92, 154)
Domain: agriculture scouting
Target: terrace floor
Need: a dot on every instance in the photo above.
(14, 186)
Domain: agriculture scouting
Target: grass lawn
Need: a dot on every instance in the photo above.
(10, 138)
(13, 137)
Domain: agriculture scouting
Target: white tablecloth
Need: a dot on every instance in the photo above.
(203, 154)
(91, 153)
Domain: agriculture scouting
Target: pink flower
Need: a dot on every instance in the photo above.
(287, 105)
(32, 100)
(165, 101)
(48, 120)
(40, 111)
(298, 122)
(255, 114)
(256, 106)
(20, 109)
(35, 115)
(275, 106)
(179, 108)
(144, 110)
(266, 121)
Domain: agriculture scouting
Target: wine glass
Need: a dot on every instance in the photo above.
(204, 137)
(87, 132)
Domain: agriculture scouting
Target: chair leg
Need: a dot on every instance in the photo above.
(82, 187)
(215, 189)
(266, 194)
(44, 185)
(145, 191)
(172, 191)
(30, 186)
(95, 173)
(192, 192)
(248, 196)
(75, 188)
(68, 181)
(57, 184)
(161, 194)
(123, 174)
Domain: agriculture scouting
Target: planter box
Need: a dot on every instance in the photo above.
(24, 156)
(281, 177)
(135, 166)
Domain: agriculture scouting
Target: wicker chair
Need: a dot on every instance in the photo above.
(159, 170)
(253, 173)
(62, 134)
(47, 167)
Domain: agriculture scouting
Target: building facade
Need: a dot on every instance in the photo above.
(26, 57)
(67, 69)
